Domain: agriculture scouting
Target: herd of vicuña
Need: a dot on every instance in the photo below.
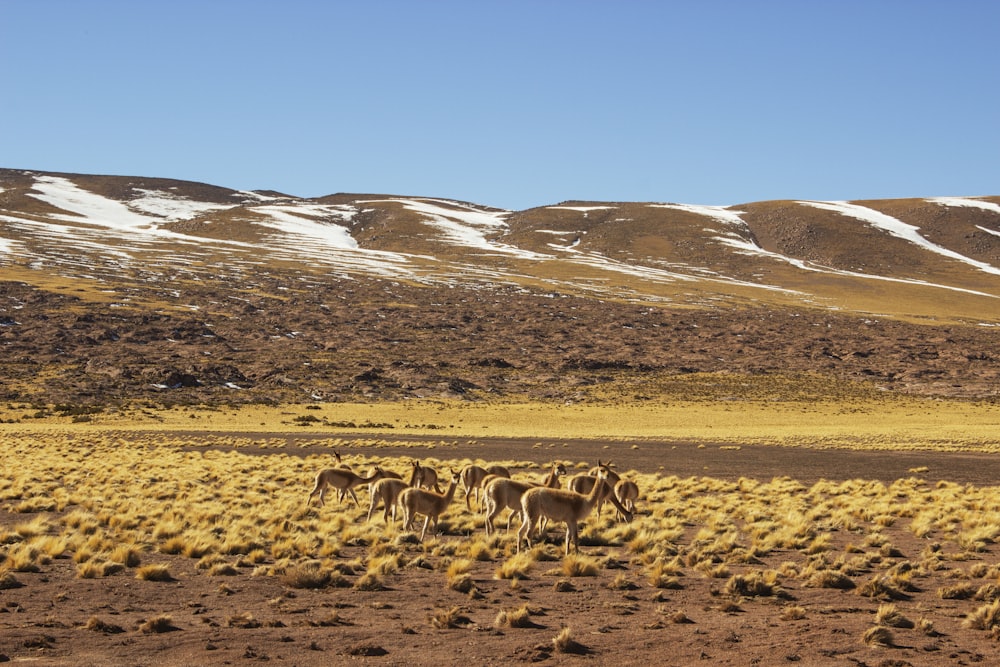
(535, 501)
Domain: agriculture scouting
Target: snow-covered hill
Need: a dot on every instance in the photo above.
(938, 256)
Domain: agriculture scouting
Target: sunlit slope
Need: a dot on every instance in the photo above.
(923, 258)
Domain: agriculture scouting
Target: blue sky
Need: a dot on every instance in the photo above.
(512, 104)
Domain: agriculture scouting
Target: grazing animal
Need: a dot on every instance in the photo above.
(561, 505)
(341, 479)
(627, 492)
(424, 501)
(584, 482)
(501, 493)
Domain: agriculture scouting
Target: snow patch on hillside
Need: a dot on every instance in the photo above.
(467, 226)
(88, 207)
(966, 201)
(897, 228)
(311, 223)
(719, 213)
(171, 207)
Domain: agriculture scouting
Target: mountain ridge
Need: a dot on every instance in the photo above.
(117, 286)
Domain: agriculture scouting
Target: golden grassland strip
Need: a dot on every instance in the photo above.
(147, 506)
(897, 423)
(109, 500)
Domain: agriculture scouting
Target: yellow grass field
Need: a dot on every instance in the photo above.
(194, 525)
(890, 423)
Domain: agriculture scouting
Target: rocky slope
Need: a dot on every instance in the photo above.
(116, 289)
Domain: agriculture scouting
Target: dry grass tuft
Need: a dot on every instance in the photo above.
(962, 591)
(564, 643)
(97, 625)
(754, 584)
(161, 623)
(515, 567)
(986, 617)
(879, 588)
(830, 579)
(369, 581)
(515, 618)
(449, 618)
(578, 565)
(793, 612)
(878, 637)
(889, 616)
(307, 575)
(244, 621)
(154, 573)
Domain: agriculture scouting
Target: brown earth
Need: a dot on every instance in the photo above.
(368, 340)
(616, 617)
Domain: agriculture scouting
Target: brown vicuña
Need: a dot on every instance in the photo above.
(562, 505)
(342, 479)
(424, 501)
(386, 491)
(423, 477)
(473, 477)
(501, 493)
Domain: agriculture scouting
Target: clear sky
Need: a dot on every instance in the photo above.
(512, 103)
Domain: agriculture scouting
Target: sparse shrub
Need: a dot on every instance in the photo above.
(986, 617)
(154, 573)
(888, 615)
(161, 623)
(962, 591)
(878, 637)
(577, 565)
(564, 643)
(97, 625)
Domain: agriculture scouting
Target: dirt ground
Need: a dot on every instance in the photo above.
(53, 617)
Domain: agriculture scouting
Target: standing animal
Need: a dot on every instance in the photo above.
(561, 505)
(423, 477)
(424, 501)
(501, 493)
(341, 479)
(473, 477)
(584, 482)
(386, 491)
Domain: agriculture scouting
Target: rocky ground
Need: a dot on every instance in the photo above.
(357, 340)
